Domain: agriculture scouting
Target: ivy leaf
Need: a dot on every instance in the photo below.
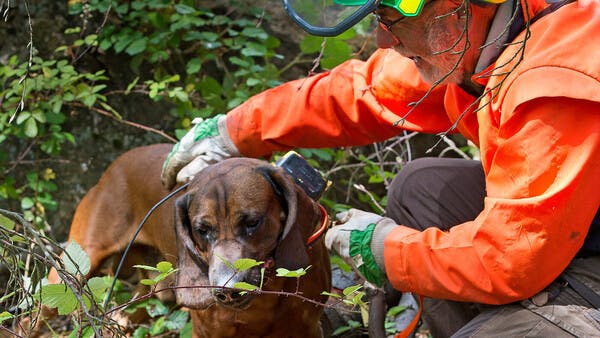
(76, 260)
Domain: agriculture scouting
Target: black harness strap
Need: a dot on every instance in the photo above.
(583, 290)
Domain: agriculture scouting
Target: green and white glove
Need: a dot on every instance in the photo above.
(358, 239)
(206, 143)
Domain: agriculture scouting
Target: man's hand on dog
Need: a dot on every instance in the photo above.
(358, 239)
(206, 143)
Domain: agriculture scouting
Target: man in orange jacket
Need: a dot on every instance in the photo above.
(516, 231)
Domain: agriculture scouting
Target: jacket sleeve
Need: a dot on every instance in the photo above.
(354, 104)
(542, 166)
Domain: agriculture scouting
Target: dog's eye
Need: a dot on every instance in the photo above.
(203, 230)
(252, 226)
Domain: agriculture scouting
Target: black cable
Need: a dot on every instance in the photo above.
(137, 231)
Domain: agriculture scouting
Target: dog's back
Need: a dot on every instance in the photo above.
(109, 213)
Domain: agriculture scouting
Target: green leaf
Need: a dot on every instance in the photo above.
(311, 44)
(244, 264)
(254, 32)
(245, 286)
(186, 332)
(156, 308)
(340, 330)
(76, 260)
(282, 272)
(336, 52)
(73, 30)
(98, 287)
(254, 49)
(122, 42)
(31, 129)
(193, 66)
(184, 9)
(132, 85)
(225, 261)
(6, 222)
(148, 282)
(146, 267)
(5, 315)
(22, 117)
(137, 46)
(158, 327)
(55, 118)
(89, 100)
(27, 203)
(86, 332)
(395, 310)
(177, 320)
(59, 296)
(331, 294)
(164, 267)
(253, 82)
(141, 332)
(351, 289)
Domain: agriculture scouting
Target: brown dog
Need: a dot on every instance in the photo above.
(239, 208)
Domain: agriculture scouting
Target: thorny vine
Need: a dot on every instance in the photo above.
(20, 296)
(515, 60)
(5, 13)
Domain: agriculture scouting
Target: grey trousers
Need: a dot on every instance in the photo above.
(445, 192)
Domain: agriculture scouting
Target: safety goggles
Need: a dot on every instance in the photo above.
(333, 17)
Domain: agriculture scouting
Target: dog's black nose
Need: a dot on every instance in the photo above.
(225, 296)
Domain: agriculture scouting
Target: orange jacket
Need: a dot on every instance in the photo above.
(539, 140)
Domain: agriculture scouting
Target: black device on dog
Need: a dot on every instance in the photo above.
(307, 177)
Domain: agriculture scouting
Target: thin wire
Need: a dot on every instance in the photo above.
(137, 231)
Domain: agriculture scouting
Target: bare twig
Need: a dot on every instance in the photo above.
(24, 78)
(130, 123)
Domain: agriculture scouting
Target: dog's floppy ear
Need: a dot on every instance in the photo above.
(302, 215)
(191, 268)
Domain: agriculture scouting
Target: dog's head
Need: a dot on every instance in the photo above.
(238, 208)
